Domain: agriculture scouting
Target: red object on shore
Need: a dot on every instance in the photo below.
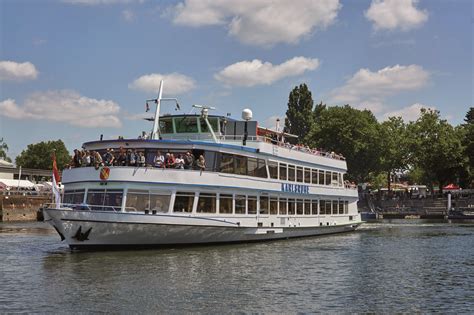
(451, 187)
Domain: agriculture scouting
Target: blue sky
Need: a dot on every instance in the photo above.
(75, 69)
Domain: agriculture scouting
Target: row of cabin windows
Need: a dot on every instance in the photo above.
(250, 166)
(300, 174)
(187, 124)
(141, 200)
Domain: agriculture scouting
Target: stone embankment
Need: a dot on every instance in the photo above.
(21, 208)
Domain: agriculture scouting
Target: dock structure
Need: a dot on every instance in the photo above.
(21, 208)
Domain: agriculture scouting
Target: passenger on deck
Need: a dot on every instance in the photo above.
(179, 162)
(122, 157)
(170, 160)
(188, 160)
(86, 158)
(141, 159)
(201, 163)
(76, 159)
(109, 158)
(159, 160)
(131, 157)
(97, 159)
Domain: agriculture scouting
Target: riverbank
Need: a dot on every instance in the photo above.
(21, 208)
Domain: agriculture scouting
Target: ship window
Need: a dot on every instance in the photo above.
(225, 203)
(186, 124)
(291, 173)
(341, 207)
(252, 166)
(261, 169)
(240, 167)
(212, 121)
(183, 202)
(307, 176)
(210, 158)
(273, 169)
(74, 196)
(334, 179)
(307, 207)
(320, 177)
(99, 199)
(299, 207)
(226, 163)
(314, 176)
(137, 200)
(252, 204)
(339, 178)
(166, 125)
(159, 202)
(291, 206)
(206, 203)
(334, 206)
(299, 174)
(314, 208)
(264, 204)
(283, 175)
(322, 207)
(346, 207)
(273, 205)
(283, 206)
(328, 178)
(95, 199)
(240, 204)
(327, 207)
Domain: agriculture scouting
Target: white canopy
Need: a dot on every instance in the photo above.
(12, 183)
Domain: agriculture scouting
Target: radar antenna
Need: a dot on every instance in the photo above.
(204, 114)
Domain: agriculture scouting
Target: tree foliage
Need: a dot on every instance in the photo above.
(467, 130)
(38, 155)
(4, 150)
(351, 132)
(299, 116)
(436, 148)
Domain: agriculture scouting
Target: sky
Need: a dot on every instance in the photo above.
(76, 69)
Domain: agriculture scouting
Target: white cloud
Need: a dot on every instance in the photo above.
(395, 14)
(174, 83)
(367, 89)
(100, 2)
(260, 22)
(256, 72)
(64, 106)
(14, 71)
(409, 113)
(128, 15)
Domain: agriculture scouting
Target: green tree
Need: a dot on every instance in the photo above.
(394, 147)
(299, 116)
(436, 148)
(4, 150)
(38, 155)
(353, 133)
(467, 131)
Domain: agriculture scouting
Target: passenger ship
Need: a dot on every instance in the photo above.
(255, 187)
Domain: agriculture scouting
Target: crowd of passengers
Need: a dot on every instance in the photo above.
(130, 157)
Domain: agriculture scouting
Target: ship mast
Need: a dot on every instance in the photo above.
(155, 133)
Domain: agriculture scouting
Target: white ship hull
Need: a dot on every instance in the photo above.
(92, 229)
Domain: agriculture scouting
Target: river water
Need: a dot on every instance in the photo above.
(402, 266)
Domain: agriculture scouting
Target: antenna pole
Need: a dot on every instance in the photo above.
(155, 134)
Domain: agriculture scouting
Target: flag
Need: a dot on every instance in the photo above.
(55, 180)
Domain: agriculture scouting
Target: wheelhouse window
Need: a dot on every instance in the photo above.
(283, 173)
(225, 204)
(299, 174)
(273, 169)
(252, 205)
(74, 196)
(166, 125)
(264, 204)
(213, 121)
(283, 206)
(186, 124)
(291, 173)
(240, 204)
(183, 202)
(206, 203)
